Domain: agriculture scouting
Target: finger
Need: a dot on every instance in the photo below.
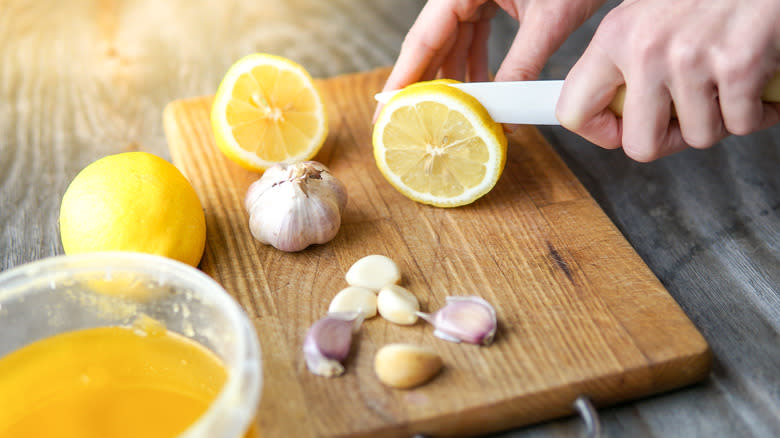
(541, 32)
(431, 32)
(603, 129)
(674, 144)
(421, 52)
(648, 129)
(698, 113)
(478, 70)
(742, 109)
(583, 106)
(771, 115)
(454, 64)
(395, 81)
(432, 72)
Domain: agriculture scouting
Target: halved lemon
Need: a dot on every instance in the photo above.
(438, 145)
(268, 110)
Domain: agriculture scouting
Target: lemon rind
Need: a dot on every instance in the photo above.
(226, 142)
(473, 111)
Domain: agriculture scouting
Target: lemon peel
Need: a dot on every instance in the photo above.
(438, 145)
(267, 110)
(133, 201)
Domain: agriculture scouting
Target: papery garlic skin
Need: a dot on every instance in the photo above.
(468, 319)
(328, 342)
(294, 205)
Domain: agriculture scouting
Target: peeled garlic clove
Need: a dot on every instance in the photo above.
(396, 304)
(373, 272)
(294, 205)
(405, 365)
(355, 299)
(328, 342)
(468, 319)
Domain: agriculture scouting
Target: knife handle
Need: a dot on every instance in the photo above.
(771, 94)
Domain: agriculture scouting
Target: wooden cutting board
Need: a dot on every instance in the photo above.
(579, 312)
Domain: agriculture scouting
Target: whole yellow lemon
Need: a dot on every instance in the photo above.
(133, 201)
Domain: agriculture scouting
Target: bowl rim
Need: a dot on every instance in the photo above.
(240, 394)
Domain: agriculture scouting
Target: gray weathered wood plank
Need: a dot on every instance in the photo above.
(82, 79)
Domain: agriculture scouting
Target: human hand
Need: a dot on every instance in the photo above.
(710, 61)
(449, 39)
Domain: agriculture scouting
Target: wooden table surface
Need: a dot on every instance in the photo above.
(83, 79)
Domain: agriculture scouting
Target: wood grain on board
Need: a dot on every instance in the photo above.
(579, 311)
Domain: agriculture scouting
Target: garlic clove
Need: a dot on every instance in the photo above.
(405, 365)
(294, 205)
(328, 342)
(397, 305)
(468, 319)
(373, 272)
(355, 299)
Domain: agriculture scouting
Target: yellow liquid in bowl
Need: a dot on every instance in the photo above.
(107, 382)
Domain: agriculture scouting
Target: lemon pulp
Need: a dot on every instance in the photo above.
(437, 145)
(268, 110)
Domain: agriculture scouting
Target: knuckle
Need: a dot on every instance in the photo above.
(647, 52)
(555, 17)
(612, 26)
(418, 38)
(735, 66)
(741, 126)
(519, 72)
(467, 10)
(601, 131)
(413, 39)
(640, 152)
(700, 140)
(684, 59)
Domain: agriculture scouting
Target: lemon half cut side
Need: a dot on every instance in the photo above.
(267, 109)
(438, 145)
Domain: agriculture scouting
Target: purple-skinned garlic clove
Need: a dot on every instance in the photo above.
(468, 319)
(328, 342)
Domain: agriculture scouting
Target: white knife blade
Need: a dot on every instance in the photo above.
(522, 102)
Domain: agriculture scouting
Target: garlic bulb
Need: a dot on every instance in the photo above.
(294, 205)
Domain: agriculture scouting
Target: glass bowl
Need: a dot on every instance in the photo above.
(66, 293)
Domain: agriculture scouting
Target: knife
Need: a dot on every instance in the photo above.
(522, 102)
(533, 102)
